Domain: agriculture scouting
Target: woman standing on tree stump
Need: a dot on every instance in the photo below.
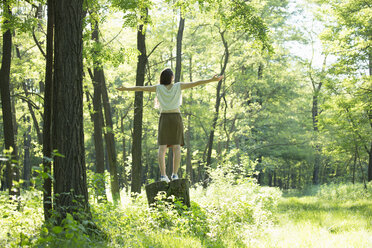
(169, 100)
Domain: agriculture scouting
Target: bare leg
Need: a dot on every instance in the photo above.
(176, 158)
(161, 158)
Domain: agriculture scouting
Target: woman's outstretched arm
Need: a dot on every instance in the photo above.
(215, 78)
(151, 88)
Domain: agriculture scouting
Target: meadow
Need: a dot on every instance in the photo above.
(231, 212)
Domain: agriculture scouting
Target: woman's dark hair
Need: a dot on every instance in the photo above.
(166, 76)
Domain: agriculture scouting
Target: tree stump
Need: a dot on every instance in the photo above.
(179, 188)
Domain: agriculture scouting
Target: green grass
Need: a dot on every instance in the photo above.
(225, 215)
(311, 221)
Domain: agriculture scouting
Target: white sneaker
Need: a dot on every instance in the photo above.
(164, 179)
(174, 177)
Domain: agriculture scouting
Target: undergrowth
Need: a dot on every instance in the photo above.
(231, 212)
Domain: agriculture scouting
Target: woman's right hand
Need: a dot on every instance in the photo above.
(217, 77)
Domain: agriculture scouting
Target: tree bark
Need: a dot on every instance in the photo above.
(217, 108)
(354, 167)
(125, 177)
(370, 164)
(189, 170)
(70, 187)
(181, 27)
(169, 167)
(179, 188)
(315, 113)
(110, 139)
(36, 124)
(188, 151)
(370, 120)
(26, 155)
(16, 165)
(8, 127)
(315, 127)
(97, 116)
(138, 111)
(48, 106)
(270, 176)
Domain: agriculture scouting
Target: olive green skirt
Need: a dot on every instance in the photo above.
(170, 131)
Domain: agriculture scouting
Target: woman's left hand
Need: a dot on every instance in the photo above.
(122, 88)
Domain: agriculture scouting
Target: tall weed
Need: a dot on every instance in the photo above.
(238, 209)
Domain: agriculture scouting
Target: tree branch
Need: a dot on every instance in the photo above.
(38, 43)
(154, 49)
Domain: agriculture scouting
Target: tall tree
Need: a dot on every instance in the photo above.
(109, 138)
(242, 17)
(70, 187)
(316, 86)
(48, 106)
(138, 106)
(8, 127)
(348, 37)
(101, 99)
(26, 156)
(217, 105)
(97, 113)
(181, 27)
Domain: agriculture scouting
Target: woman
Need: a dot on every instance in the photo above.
(170, 132)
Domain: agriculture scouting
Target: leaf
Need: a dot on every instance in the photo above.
(57, 154)
(57, 229)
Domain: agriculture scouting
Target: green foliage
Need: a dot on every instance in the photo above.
(220, 216)
(19, 223)
(71, 233)
(96, 183)
(345, 192)
(231, 213)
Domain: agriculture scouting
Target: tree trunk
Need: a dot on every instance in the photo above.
(5, 98)
(26, 156)
(354, 167)
(315, 113)
(189, 171)
(217, 108)
(97, 116)
(188, 151)
(36, 124)
(70, 187)
(179, 188)
(270, 176)
(370, 164)
(316, 165)
(138, 111)
(110, 139)
(370, 120)
(48, 106)
(16, 165)
(315, 127)
(125, 177)
(181, 27)
(169, 168)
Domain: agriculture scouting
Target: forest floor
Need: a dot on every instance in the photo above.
(310, 221)
(224, 215)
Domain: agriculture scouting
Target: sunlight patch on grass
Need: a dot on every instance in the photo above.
(162, 240)
(314, 222)
(308, 235)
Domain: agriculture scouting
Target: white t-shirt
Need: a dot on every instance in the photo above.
(169, 99)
